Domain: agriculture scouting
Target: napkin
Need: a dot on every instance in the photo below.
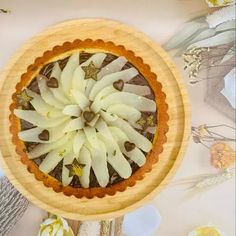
(142, 222)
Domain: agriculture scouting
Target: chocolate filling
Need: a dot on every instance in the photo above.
(57, 172)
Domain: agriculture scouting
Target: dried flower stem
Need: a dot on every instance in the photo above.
(4, 11)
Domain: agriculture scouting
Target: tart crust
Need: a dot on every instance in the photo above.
(159, 139)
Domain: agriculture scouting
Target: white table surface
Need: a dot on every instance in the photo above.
(159, 19)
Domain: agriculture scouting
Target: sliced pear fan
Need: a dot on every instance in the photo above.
(36, 119)
(47, 94)
(99, 163)
(138, 102)
(124, 111)
(112, 67)
(85, 158)
(137, 89)
(135, 155)
(44, 148)
(107, 80)
(67, 73)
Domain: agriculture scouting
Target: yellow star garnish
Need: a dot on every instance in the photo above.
(91, 71)
(149, 121)
(75, 168)
(23, 99)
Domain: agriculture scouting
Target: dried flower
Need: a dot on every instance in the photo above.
(222, 155)
(55, 225)
(4, 11)
(214, 179)
(206, 133)
(219, 3)
(193, 61)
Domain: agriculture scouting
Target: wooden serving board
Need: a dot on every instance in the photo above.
(177, 136)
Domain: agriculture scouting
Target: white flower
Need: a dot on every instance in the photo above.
(223, 15)
(55, 226)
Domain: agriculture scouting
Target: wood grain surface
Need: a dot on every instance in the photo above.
(177, 136)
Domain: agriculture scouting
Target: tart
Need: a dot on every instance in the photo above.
(89, 118)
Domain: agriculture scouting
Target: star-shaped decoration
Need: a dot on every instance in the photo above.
(91, 71)
(23, 99)
(75, 168)
(144, 123)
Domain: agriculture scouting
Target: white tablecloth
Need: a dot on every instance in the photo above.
(159, 19)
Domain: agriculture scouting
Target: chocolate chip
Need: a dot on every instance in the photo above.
(129, 146)
(52, 83)
(89, 115)
(119, 85)
(44, 135)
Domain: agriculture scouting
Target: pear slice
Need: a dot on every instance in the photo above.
(137, 89)
(85, 158)
(135, 155)
(31, 135)
(36, 119)
(78, 141)
(67, 73)
(47, 147)
(115, 157)
(72, 110)
(125, 112)
(112, 67)
(99, 162)
(78, 81)
(80, 98)
(67, 160)
(54, 157)
(135, 137)
(107, 80)
(133, 100)
(74, 124)
(96, 105)
(47, 95)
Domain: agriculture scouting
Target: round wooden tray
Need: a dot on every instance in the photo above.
(177, 136)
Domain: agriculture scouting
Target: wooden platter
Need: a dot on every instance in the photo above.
(177, 136)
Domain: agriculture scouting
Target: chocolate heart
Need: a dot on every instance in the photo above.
(52, 83)
(129, 146)
(44, 135)
(89, 115)
(119, 85)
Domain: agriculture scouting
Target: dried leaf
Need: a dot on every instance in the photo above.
(219, 39)
(189, 29)
(231, 53)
